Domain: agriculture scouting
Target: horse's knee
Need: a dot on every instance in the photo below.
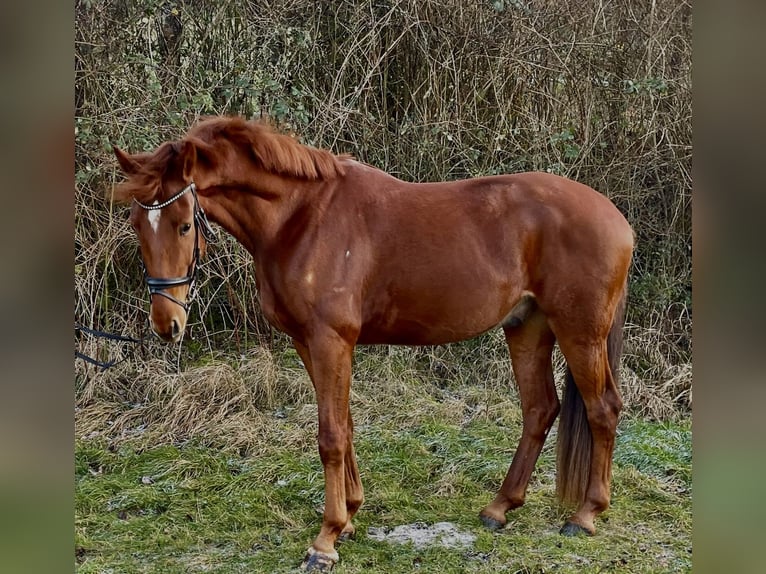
(332, 446)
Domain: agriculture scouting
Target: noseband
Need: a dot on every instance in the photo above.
(157, 285)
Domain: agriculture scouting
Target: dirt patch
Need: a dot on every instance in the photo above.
(421, 535)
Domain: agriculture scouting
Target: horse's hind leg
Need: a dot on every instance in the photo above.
(591, 373)
(531, 346)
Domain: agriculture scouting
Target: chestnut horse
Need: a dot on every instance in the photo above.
(346, 254)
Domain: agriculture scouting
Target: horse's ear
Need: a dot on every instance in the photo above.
(197, 157)
(130, 164)
(189, 156)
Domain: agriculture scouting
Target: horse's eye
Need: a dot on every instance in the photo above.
(185, 228)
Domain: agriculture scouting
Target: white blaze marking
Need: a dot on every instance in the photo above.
(348, 253)
(154, 217)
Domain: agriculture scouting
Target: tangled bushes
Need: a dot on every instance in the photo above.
(425, 89)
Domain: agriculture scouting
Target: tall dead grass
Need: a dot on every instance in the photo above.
(426, 89)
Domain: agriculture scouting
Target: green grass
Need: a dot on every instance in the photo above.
(194, 508)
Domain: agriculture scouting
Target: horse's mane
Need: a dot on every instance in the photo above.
(272, 151)
(275, 152)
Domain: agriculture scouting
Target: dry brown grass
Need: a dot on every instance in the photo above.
(238, 403)
(221, 402)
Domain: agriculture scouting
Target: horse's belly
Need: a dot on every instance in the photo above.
(436, 320)
(406, 333)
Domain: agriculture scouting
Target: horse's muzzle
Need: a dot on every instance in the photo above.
(169, 330)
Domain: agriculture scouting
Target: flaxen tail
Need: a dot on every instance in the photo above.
(575, 442)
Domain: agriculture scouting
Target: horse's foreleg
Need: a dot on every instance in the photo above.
(531, 345)
(353, 482)
(328, 359)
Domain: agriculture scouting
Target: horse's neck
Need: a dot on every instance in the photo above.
(255, 216)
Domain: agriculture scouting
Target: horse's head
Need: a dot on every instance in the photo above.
(171, 227)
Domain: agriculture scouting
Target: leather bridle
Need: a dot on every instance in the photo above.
(157, 285)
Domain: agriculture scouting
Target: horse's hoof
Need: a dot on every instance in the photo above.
(346, 535)
(572, 529)
(316, 561)
(491, 523)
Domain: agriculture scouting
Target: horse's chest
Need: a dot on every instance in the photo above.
(273, 309)
(284, 313)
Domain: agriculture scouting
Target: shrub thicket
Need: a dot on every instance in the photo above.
(425, 89)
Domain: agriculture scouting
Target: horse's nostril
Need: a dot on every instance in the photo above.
(176, 328)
